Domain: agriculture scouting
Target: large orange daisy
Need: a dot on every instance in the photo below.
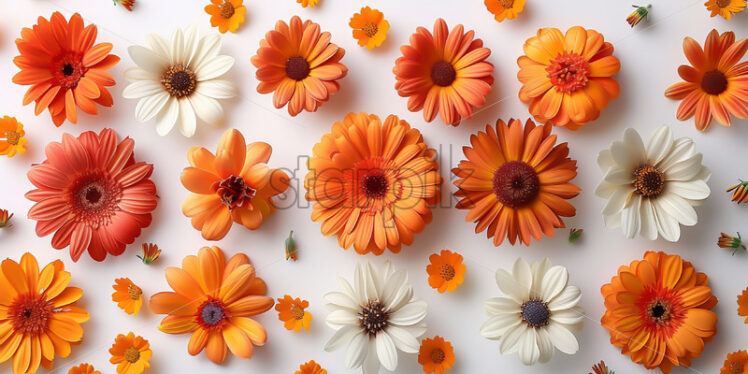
(444, 73)
(235, 184)
(373, 184)
(39, 315)
(715, 85)
(659, 311)
(213, 299)
(299, 64)
(566, 79)
(64, 68)
(515, 181)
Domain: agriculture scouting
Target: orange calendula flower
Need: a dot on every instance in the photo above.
(127, 4)
(306, 3)
(299, 64)
(659, 311)
(369, 27)
(444, 73)
(310, 367)
(12, 139)
(83, 369)
(725, 8)
(566, 79)
(150, 253)
(213, 299)
(131, 354)
(293, 313)
(64, 68)
(515, 182)
(40, 317)
(372, 184)
(736, 363)
(5, 218)
(436, 355)
(505, 9)
(601, 368)
(128, 296)
(741, 192)
(446, 271)
(715, 83)
(227, 15)
(235, 185)
(743, 305)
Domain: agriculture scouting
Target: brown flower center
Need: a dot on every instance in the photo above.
(179, 81)
(134, 292)
(568, 72)
(95, 198)
(30, 314)
(132, 355)
(660, 312)
(211, 313)
(234, 191)
(714, 82)
(370, 29)
(723, 3)
(227, 9)
(447, 272)
(437, 356)
(736, 367)
(12, 137)
(297, 312)
(374, 184)
(535, 313)
(506, 4)
(443, 73)
(68, 70)
(516, 184)
(649, 181)
(374, 317)
(297, 68)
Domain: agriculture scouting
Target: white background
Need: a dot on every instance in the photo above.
(649, 54)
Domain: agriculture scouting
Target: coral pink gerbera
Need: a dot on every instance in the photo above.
(91, 194)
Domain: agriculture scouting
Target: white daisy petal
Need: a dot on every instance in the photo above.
(191, 42)
(563, 339)
(341, 300)
(567, 316)
(684, 170)
(167, 118)
(356, 351)
(217, 89)
(393, 285)
(648, 223)
(176, 48)
(554, 281)
(136, 90)
(341, 338)
(659, 144)
(371, 362)
(415, 330)
(187, 119)
(682, 148)
(619, 200)
(214, 68)
(500, 305)
(693, 190)
(137, 74)
(373, 287)
(342, 317)
(544, 346)
(635, 146)
(206, 108)
(623, 157)
(605, 160)
(147, 59)
(497, 326)
(568, 298)
(678, 208)
(619, 176)
(348, 290)
(528, 348)
(538, 272)
(667, 226)
(630, 217)
(509, 286)
(522, 273)
(411, 314)
(149, 107)
(509, 342)
(158, 45)
(403, 296)
(207, 50)
(386, 351)
(403, 339)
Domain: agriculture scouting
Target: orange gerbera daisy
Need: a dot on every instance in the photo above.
(743, 305)
(128, 296)
(725, 8)
(227, 15)
(83, 369)
(91, 194)
(715, 84)
(446, 271)
(373, 184)
(213, 300)
(444, 73)
(293, 313)
(659, 311)
(235, 184)
(64, 68)
(515, 181)
(505, 9)
(436, 355)
(567, 79)
(131, 354)
(12, 139)
(369, 27)
(310, 367)
(298, 64)
(736, 363)
(40, 317)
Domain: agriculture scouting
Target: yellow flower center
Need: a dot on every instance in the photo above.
(297, 312)
(13, 137)
(723, 3)
(648, 181)
(370, 29)
(134, 291)
(132, 355)
(507, 4)
(437, 356)
(447, 272)
(227, 9)
(30, 314)
(179, 81)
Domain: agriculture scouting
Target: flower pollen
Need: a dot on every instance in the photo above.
(179, 81)
(649, 181)
(516, 184)
(374, 184)
(437, 356)
(370, 29)
(12, 137)
(297, 312)
(30, 314)
(714, 82)
(568, 72)
(535, 313)
(227, 9)
(447, 272)
(443, 73)
(134, 292)
(374, 317)
(132, 355)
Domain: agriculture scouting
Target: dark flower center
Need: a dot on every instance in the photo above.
(375, 184)
(516, 184)
(297, 312)
(234, 192)
(374, 317)
(297, 68)
(443, 73)
(179, 81)
(506, 4)
(227, 9)
(370, 29)
(437, 356)
(30, 314)
(714, 82)
(568, 72)
(447, 272)
(660, 312)
(95, 199)
(723, 3)
(535, 313)
(132, 355)
(649, 181)
(68, 70)
(12, 137)
(211, 313)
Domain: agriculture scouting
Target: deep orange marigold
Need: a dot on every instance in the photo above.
(64, 68)
(128, 296)
(83, 369)
(293, 313)
(566, 79)
(446, 271)
(715, 85)
(436, 355)
(310, 367)
(235, 184)
(743, 305)
(372, 184)
(659, 311)
(736, 363)
(515, 181)
(298, 64)
(444, 73)
(213, 299)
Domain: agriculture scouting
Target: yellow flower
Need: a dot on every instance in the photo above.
(725, 8)
(306, 3)
(505, 9)
(131, 354)
(293, 313)
(369, 27)
(128, 296)
(227, 15)
(12, 139)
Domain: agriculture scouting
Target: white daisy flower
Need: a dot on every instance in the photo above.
(179, 81)
(652, 189)
(540, 313)
(375, 318)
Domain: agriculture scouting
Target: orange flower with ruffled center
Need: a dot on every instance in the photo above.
(213, 299)
(446, 271)
(715, 84)
(128, 296)
(235, 184)
(444, 73)
(736, 363)
(310, 367)
(64, 68)
(227, 15)
(436, 355)
(743, 305)
(566, 79)
(515, 182)
(299, 64)
(83, 369)
(293, 313)
(372, 184)
(40, 317)
(659, 311)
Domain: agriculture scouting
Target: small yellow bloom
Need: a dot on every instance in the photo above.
(131, 354)
(128, 296)
(306, 3)
(725, 8)
(293, 313)
(12, 139)
(369, 27)
(227, 15)
(505, 9)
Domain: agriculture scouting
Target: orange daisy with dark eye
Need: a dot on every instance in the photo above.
(444, 73)
(659, 311)
(515, 182)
